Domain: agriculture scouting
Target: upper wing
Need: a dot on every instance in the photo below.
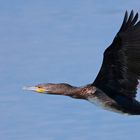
(120, 69)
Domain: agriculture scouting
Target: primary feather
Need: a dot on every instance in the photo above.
(120, 69)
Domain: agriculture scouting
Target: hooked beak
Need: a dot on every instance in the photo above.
(34, 88)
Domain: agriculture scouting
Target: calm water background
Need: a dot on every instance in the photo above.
(57, 41)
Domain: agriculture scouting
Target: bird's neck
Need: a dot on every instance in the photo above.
(68, 90)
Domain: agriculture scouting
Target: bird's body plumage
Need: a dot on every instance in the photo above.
(115, 86)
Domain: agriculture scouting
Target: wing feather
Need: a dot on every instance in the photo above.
(120, 69)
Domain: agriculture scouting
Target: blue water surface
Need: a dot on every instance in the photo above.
(57, 41)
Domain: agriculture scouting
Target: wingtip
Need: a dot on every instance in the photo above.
(132, 11)
(137, 15)
(126, 16)
(126, 12)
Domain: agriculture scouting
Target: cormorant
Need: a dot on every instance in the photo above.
(116, 84)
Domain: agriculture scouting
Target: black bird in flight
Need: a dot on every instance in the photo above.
(115, 86)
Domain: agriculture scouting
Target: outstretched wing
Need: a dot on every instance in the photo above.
(120, 69)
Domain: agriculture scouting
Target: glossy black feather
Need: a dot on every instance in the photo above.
(120, 69)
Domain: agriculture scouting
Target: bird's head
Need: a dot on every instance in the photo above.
(40, 88)
(50, 88)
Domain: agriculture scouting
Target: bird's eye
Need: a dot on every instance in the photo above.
(38, 86)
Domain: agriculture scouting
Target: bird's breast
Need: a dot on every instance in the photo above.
(102, 100)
